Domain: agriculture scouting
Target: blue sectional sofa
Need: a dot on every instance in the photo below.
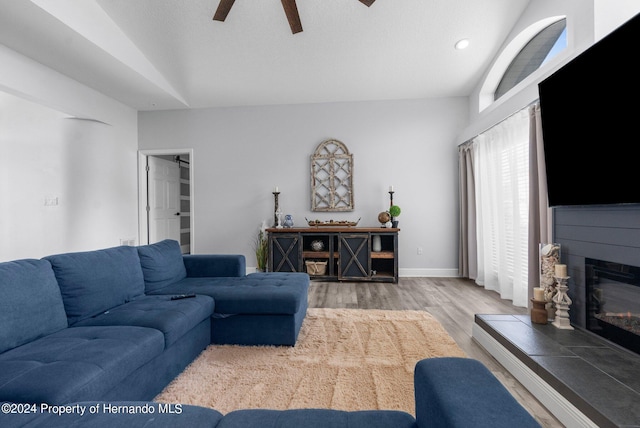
(87, 338)
(103, 325)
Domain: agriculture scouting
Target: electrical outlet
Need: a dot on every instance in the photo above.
(419, 251)
(50, 201)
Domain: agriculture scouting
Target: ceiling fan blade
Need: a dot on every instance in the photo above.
(291, 10)
(367, 2)
(223, 10)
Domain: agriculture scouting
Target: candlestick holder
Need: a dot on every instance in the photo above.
(391, 192)
(279, 219)
(275, 209)
(563, 302)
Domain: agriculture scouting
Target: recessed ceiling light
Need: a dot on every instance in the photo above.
(462, 44)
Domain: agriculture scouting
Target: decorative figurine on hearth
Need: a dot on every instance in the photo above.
(549, 258)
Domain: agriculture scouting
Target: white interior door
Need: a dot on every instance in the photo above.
(163, 199)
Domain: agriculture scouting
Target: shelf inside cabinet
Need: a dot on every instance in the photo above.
(382, 275)
(318, 254)
(382, 255)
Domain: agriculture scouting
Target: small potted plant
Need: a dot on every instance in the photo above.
(394, 212)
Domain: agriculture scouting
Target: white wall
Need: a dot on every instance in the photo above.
(240, 154)
(88, 166)
(611, 14)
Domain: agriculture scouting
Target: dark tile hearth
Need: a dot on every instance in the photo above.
(597, 377)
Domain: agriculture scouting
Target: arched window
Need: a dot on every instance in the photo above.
(542, 47)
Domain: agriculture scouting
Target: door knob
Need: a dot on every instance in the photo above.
(177, 213)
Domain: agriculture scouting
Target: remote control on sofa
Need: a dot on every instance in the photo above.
(182, 296)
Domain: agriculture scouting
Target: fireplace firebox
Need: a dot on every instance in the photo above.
(613, 302)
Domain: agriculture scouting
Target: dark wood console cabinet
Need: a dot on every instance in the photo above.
(345, 253)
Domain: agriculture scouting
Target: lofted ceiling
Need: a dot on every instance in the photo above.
(171, 54)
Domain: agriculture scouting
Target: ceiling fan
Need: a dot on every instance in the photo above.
(290, 9)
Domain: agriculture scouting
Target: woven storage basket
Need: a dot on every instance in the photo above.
(316, 268)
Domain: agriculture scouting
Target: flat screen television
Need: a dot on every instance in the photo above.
(590, 112)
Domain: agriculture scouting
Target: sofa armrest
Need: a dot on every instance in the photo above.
(462, 392)
(214, 265)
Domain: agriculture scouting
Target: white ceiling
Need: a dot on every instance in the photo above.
(168, 54)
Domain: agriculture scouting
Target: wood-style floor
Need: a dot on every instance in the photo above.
(452, 301)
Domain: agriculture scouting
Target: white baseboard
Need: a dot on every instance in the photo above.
(420, 272)
(411, 272)
(559, 406)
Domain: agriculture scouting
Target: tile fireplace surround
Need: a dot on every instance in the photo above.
(582, 379)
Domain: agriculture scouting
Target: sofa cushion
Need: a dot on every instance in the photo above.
(31, 305)
(130, 414)
(267, 293)
(173, 318)
(95, 281)
(76, 364)
(317, 418)
(209, 265)
(162, 264)
(452, 391)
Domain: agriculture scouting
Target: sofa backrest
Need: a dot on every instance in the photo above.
(93, 282)
(31, 305)
(162, 264)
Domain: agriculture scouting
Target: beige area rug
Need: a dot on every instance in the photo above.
(345, 359)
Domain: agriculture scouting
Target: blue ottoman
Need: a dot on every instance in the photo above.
(461, 392)
(317, 418)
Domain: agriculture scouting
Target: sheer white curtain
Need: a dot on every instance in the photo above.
(501, 157)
